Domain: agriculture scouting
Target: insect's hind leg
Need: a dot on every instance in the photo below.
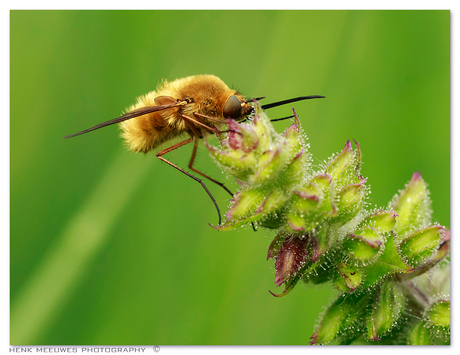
(190, 165)
(160, 154)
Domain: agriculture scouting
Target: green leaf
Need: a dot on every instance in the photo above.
(389, 262)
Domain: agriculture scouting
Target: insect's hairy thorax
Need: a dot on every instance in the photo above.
(204, 94)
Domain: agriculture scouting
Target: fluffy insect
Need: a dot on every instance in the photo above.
(195, 106)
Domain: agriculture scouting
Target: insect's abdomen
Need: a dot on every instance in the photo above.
(144, 133)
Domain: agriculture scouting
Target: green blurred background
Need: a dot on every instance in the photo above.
(113, 247)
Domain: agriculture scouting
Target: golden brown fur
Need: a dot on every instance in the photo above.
(206, 94)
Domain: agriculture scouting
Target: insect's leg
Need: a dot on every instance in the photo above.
(208, 117)
(190, 165)
(189, 119)
(160, 154)
(192, 127)
(211, 129)
(216, 120)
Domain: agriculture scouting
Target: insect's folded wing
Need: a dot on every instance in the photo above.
(164, 100)
(129, 115)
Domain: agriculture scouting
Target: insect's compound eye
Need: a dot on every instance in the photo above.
(232, 108)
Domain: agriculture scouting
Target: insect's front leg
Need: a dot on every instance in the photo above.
(194, 129)
(216, 120)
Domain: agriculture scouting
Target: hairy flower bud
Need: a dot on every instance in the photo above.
(268, 164)
(310, 204)
(350, 201)
(419, 334)
(349, 277)
(421, 245)
(364, 245)
(291, 258)
(383, 221)
(437, 321)
(345, 167)
(413, 207)
(242, 137)
(238, 163)
(382, 262)
(386, 309)
(340, 317)
(439, 314)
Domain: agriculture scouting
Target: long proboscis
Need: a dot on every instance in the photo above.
(128, 116)
(284, 102)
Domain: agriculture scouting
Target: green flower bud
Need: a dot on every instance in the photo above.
(413, 207)
(386, 310)
(293, 137)
(300, 217)
(242, 136)
(437, 318)
(428, 264)
(383, 221)
(264, 130)
(337, 166)
(310, 204)
(419, 334)
(421, 245)
(254, 205)
(439, 314)
(246, 202)
(364, 245)
(349, 277)
(340, 317)
(236, 162)
(345, 167)
(294, 172)
(270, 164)
(349, 201)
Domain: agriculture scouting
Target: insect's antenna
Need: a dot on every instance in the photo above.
(128, 116)
(284, 102)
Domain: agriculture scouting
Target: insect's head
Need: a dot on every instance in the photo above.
(238, 108)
